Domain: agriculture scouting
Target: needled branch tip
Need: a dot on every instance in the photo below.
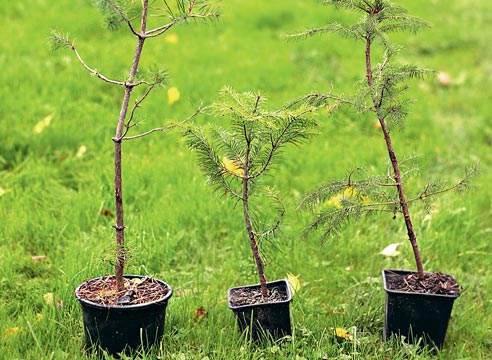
(114, 11)
(59, 41)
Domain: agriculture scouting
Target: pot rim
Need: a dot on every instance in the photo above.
(134, 306)
(411, 293)
(284, 281)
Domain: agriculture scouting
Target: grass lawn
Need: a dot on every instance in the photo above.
(56, 173)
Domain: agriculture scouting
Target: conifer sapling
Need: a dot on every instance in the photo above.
(379, 94)
(138, 16)
(236, 158)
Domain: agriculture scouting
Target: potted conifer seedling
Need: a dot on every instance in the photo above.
(236, 160)
(124, 312)
(418, 304)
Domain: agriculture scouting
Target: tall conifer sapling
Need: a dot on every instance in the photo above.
(379, 94)
(123, 313)
(418, 304)
(137, 16)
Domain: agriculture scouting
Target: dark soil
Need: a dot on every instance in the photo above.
(253, 296)
(432, 283)
(103, 291)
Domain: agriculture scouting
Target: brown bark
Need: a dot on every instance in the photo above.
(394, 163)
(249, 227)
(118, 186)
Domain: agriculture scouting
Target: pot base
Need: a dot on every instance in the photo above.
(416, 316)
(123, 328)
(266, 319)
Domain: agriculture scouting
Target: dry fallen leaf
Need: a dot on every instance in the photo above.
(294, 283)
(173, 95)
(11, 331)
(107, 212)
(36, 258)
(49, 298)
(232, 166)
(444, 78)
(199, 314)
(81, 151)
(348, 194)
(171, 39)
(41, 125)
(391, 250)
(341, 333)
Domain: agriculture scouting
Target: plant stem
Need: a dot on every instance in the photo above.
(394, 162)
(118, 189)
(249, 227)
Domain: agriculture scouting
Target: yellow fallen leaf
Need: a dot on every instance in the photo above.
(171, 39)
(341, 333)
(349, 193)
(172, 95)
(232, 166)
(11, 331)
(49, 298)
(81, 151)
(41, 125)
(294, 283)
(336, 200)
(2, 191)
(391, 250)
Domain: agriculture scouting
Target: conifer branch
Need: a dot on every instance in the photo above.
(381, 95)
(195, 10)
(253, 141)
(165, 128)
(366, 201)
(59, 41)
(334, 27)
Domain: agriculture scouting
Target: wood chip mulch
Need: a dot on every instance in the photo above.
(253, 296)
(432, 283)
(103, 291)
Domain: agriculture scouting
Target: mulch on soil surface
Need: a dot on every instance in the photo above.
(432, 283)
(253, 296)
(103, 291)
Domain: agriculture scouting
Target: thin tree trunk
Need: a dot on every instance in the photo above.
(394, 162)
(118, 186)
(254, 247)
(249, 227)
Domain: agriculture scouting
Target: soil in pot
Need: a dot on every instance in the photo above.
(418, 309)
(126, 320)
(259, 317)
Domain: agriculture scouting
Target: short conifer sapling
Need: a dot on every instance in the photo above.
(237, 157)
(380, 94)
(145, 20)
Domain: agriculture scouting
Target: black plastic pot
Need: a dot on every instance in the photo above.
(416, 316)
(118, 328)
(264, 320)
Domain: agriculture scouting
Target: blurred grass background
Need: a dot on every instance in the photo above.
(56, 204)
